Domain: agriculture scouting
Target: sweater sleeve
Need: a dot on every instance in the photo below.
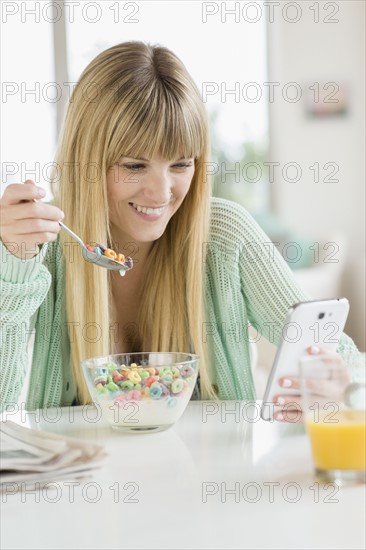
(268, 284)
(23, 287)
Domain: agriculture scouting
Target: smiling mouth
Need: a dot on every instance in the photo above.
(148, 210)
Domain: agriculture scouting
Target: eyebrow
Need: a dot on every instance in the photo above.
(146, 160)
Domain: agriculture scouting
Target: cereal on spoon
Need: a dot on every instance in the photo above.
(110, 253)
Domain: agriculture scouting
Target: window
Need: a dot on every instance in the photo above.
(29, 98)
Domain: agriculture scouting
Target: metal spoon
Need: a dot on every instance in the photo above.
(98, 258)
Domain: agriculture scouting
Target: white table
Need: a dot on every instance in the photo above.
(214, 480)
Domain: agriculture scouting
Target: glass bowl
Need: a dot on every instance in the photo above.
(141, 392)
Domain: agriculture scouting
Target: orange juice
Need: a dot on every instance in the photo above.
(341, 445)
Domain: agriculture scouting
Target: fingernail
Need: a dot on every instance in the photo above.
(286, 383)
(62, 215)
(314, 350)
(279, 416)
(41, 192)
(281, 401)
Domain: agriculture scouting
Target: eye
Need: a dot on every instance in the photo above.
(183, 165)
(134, 166)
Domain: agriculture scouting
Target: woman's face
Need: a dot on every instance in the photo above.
(143, 194)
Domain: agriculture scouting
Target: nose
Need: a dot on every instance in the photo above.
(157, 191)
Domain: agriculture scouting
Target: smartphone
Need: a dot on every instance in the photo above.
(313, 323)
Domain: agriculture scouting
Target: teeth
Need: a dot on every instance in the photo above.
(148, 211)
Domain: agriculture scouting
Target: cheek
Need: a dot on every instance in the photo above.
(116, 187)
(183, 186)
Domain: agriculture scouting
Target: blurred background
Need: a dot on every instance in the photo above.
(284, 86)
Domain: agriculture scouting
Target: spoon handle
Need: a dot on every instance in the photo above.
(73, 235)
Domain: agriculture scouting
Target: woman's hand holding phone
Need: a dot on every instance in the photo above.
(25, 223)
(313, 327)
(292, 403)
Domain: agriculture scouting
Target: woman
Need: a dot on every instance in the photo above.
(131, 172)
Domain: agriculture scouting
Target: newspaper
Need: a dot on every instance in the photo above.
(32, 458)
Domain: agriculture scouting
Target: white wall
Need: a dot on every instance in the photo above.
(306, 52)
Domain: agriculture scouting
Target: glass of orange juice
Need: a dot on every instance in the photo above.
(334, 403)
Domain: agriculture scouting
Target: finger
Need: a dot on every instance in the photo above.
(324, 358)
(331, 389)
(292, 382)
(290, 401)
(293, 416)
(31, 239)
(35, 210)
(318, 387)
(28, 226)
(15, 192)
(331, 358)
(28, 247)
(322, 351)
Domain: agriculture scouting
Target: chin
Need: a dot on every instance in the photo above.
(150, 237)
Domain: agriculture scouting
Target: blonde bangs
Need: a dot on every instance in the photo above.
(157, 123)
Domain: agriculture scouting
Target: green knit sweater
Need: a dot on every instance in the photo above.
(247, 282)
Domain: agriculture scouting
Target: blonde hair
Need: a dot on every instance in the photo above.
(134, 99)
